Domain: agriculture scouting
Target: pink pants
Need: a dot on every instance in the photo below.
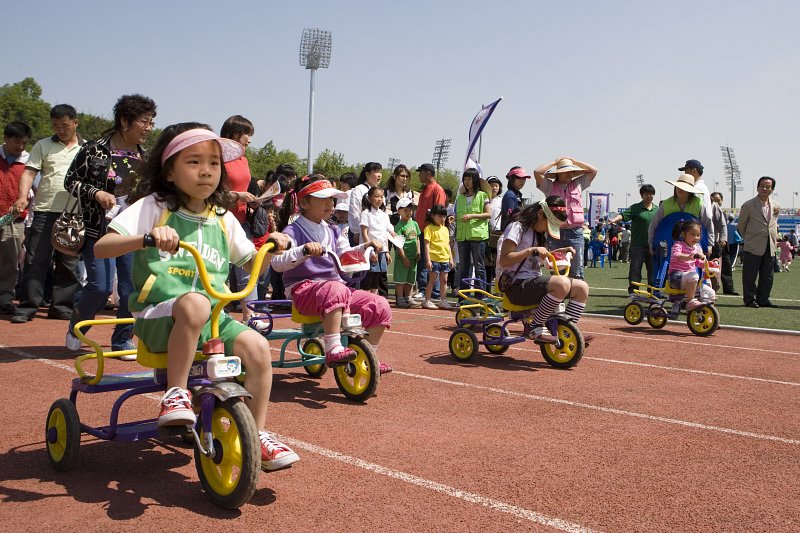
(322, 297)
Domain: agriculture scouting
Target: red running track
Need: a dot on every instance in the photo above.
(652, 430)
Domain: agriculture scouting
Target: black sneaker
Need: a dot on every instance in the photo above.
(59, 315)
(8, 309)
(21, 318)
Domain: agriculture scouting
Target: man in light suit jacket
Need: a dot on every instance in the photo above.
(758, 226)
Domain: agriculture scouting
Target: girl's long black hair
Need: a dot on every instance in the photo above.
(683, 226)
(436, 209)
(391, 185)
(529, 214)
(154, 175)
(365, 202)
(369, 167)
(290, 206)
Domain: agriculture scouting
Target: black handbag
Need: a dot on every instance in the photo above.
(69, 232)
(506, 279)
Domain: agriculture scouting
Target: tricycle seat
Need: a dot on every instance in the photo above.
(156, 360)
(300, 318)
(508, 306)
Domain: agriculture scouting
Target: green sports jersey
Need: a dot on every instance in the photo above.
(159, 276)
(410, 232)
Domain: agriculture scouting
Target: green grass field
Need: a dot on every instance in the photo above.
(608, 295)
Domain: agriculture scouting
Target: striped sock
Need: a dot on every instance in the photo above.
(545, 309)
(575, 310)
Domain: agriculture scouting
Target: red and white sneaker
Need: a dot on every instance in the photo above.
(176, 408)
(274, 454)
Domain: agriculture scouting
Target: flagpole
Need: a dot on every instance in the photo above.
(480, 146)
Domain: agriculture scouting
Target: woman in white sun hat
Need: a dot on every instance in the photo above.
(684, 199)
(568, 179)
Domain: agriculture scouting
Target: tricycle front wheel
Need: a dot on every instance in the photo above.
(230, 476)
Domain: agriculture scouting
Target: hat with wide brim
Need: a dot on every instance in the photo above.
(484, 185)
(565, 165)
(553, 223)
(685, 182)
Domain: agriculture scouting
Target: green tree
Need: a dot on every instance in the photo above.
(331, 163)
(22, 101)
(92, 127)
(269, 157)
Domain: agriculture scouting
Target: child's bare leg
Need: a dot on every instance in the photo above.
(429, 287)
(375, 334)
(689, 284)
(579, 291)
(253, 349)
(190, 312)
(332, 322)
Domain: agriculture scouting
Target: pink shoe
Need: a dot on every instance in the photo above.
(384, 368)
(340, 358)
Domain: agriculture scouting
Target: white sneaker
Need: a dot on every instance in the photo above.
(444, 304)
(427, 304)
(419, 296)
(72, 342)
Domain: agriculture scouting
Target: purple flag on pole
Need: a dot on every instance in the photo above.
(475, 130)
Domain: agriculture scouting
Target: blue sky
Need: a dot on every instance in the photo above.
(631, 87)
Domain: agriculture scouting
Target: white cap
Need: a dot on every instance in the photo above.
(342, 206)
(404, 202)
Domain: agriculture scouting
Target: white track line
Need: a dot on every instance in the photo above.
(661, 339)
(447, 490)
(690, 371)
(611, 410)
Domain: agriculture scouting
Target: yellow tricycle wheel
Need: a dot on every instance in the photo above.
(463, 344)
(358, 379)
(634, 314)
(230, 476)
(569, 351)
(703, 321)
(464, 313)
(62, 434)
(314, 348)
(493, 332)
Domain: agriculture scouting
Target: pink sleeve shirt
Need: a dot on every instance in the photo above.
(681, 248)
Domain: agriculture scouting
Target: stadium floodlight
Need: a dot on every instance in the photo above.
(733, 175)
(315, 53)
(393, 162)
(441, 152)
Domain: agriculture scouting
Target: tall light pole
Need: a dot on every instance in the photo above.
(393, 162)
(794, 195)
(441, 151)
(733, 176)
(315, 52)
(627, 196)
